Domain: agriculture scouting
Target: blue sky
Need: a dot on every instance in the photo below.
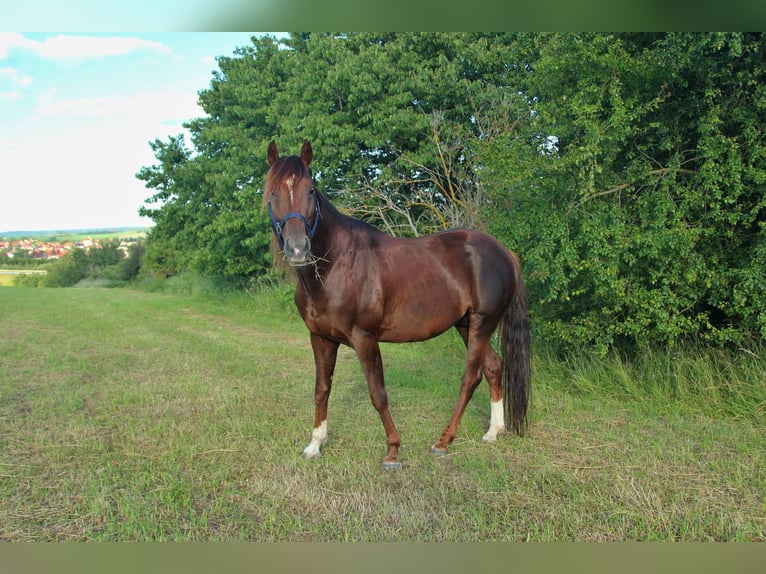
(77, 112)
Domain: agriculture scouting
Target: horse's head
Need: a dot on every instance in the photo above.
(292, 202)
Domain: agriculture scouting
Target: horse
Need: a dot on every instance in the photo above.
(358, 286)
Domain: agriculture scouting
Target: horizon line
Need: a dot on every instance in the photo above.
(4, 233)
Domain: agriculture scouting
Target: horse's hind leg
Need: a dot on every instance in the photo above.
(492, 370)
(477, 343)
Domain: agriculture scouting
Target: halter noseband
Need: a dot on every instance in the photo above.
(279, 225)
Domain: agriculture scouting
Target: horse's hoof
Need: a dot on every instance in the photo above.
(392, 465)
(438, 451)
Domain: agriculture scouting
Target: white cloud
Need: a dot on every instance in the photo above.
(68, 47)
(161, 107)
(12, 75)
(83, 47)
(9, 40)
(8, 97)
(13, 82)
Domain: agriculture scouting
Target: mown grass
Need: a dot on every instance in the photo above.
(131, 415)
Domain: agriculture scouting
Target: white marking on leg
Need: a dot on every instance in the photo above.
(318, 438)
(496, 420)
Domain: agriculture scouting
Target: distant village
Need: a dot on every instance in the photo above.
(42, 249)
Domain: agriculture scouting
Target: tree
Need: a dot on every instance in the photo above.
(636, 195)
(129, 267)
(106, 255)
(365, 100)
(72, 268)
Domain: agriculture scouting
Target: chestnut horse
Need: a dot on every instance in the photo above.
(358, 286)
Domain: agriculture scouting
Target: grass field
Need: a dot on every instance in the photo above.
(128, 415)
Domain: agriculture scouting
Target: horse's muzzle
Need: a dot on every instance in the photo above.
(297, 252)
(296, 248)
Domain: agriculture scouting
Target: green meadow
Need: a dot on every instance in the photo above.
(129, 415)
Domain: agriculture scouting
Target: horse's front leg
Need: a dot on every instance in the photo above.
(368, 352)
(325, 355)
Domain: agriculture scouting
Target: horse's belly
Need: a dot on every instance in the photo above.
(418, 321)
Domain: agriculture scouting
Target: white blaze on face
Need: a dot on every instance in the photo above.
(496, 420)
(290, 183)
(318, 438)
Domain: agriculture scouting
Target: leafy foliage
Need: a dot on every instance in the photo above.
(643, 220)
(627, 170)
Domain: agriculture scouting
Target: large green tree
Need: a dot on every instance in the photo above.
(367, 102)
(636, 192)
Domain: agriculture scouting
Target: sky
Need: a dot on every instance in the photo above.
(77, 113)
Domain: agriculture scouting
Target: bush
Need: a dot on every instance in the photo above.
(28, 280)
(67, 271)
(639, 209)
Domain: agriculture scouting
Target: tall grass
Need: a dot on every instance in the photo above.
(713, 381)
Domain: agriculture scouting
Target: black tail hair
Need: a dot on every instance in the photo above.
(516, 359)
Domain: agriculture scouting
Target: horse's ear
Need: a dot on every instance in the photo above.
(306, 153)
(273, 154)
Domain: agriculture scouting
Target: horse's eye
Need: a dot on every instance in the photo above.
(312, 191)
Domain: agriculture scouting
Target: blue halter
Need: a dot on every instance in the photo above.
(279, 225)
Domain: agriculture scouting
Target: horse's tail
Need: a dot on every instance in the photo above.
(516, 357)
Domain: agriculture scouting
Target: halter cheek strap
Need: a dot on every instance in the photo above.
(280, 224)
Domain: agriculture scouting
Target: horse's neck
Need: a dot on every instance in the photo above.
(337, 235)
(333, 234)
